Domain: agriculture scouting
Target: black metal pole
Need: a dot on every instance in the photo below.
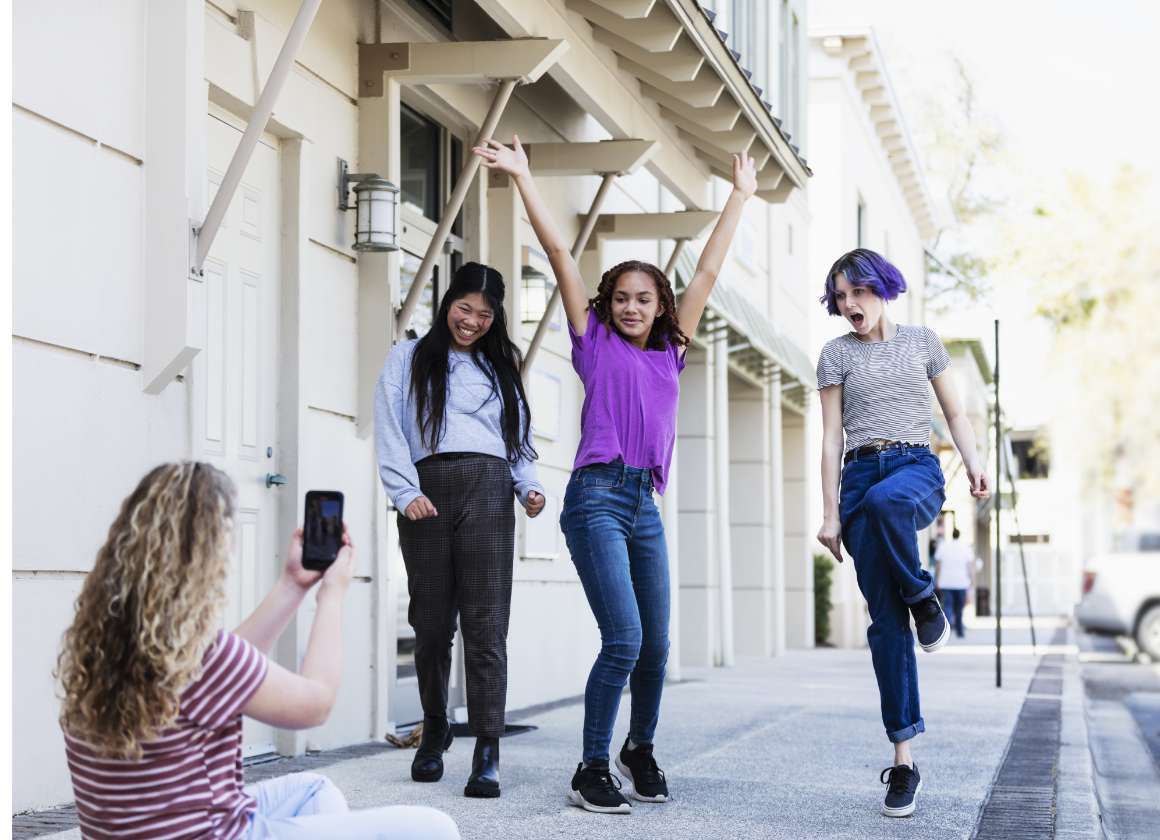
(998, 531)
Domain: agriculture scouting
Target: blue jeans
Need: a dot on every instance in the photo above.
(954, 601)
(885, 499)
(302, 806)
(617, 542)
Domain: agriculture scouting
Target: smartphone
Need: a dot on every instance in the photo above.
(322, 531)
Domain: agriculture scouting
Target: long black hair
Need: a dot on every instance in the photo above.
(494, 353)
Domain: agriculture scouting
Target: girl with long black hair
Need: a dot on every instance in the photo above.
(453, 438)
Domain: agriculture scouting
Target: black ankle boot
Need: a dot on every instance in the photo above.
(484, 780)
(427, 765)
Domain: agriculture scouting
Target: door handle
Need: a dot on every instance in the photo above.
(275, 478)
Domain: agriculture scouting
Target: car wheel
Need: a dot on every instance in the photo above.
(1148, 632)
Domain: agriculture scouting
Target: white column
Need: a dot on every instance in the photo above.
(670, 513)
(721, 473)
(777, 510)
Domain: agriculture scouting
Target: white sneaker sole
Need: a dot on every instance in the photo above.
(579, 801)
(627, 774)
(941, 640)
(905, 811)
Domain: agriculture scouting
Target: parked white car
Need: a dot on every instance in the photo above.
(1121, 591)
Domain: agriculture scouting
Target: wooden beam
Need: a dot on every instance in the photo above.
(778, 194)
(616, 156)
(523, 59)
(680, 224)
(702, 92)
(603, 89)
(657, 33)
(627, 8)
(720, 117)
(680, 64)
(737, 139)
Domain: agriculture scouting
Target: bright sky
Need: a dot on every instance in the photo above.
(1072, 84)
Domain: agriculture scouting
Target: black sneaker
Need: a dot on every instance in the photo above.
(595, 789)
(646, 781)
(930, 624)
(904, 783)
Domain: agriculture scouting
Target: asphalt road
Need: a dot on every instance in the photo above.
(1122, 701)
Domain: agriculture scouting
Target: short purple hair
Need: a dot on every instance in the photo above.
(863, 267)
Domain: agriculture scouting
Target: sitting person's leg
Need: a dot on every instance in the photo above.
(308, 805)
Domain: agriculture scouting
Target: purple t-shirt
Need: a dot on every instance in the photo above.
(630, 400)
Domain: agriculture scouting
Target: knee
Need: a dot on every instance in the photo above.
(881, 502)
(623, 647)
(654, 651)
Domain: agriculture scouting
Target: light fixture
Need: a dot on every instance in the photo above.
(376, 206)
(536, 285)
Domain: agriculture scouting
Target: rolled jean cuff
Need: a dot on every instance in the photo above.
(906, 733)
(927, 591)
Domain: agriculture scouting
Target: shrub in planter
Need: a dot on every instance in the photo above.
(823, 584)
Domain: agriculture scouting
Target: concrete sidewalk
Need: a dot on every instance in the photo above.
(784, 748)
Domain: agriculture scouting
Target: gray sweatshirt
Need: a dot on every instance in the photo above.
(471, 424)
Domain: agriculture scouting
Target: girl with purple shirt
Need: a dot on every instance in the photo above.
(628, 347)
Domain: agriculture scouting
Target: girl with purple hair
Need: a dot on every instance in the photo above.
(881, 484)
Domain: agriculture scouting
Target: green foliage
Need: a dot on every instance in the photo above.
(823, 585)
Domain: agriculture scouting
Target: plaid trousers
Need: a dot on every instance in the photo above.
(461, 562)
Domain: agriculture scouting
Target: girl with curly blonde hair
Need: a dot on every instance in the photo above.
(154, 693)
(628, 347)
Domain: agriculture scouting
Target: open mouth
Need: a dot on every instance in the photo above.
(465, 334)
(857, 319)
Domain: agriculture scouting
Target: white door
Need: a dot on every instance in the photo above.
(234, 377)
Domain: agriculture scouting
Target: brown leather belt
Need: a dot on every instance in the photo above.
(876, 446)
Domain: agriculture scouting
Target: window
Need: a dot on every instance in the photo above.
(430, 158)
(1028, 539)
(860, 230)
(747, 28)
(1031, 459)
(789, 69)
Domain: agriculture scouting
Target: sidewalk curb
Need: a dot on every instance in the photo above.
(1077, 814)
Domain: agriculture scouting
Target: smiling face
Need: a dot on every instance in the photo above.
(469, 319)
(634, 306)
(858, 305)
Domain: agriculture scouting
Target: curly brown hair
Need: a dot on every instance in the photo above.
(665, 329)
(148, 609)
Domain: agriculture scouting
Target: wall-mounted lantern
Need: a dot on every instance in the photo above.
(536, 285)
(376, 206)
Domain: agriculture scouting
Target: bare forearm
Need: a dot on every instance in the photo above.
(964, 438)
(831, 475)
(265, 624)
(323, 660)
(717, 248)
(551, 239)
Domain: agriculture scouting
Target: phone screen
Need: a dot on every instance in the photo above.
(322, 530)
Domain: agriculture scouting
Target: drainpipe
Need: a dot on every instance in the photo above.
(454, 202)
(257, 124)
(578, 246)
(721, 465)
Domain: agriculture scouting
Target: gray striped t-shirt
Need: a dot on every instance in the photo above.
(884, 384)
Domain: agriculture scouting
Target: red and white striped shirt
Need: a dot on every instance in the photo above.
(188, 782)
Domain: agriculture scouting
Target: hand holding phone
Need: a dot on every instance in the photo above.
(322, 532)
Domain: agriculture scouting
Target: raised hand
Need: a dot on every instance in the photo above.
(420, 508)
(512, 161)
(744, 175)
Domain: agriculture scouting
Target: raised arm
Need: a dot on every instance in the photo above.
(692, 305)
(514, 162)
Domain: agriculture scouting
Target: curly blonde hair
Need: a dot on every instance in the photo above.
(666, 329)
(148, 609)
